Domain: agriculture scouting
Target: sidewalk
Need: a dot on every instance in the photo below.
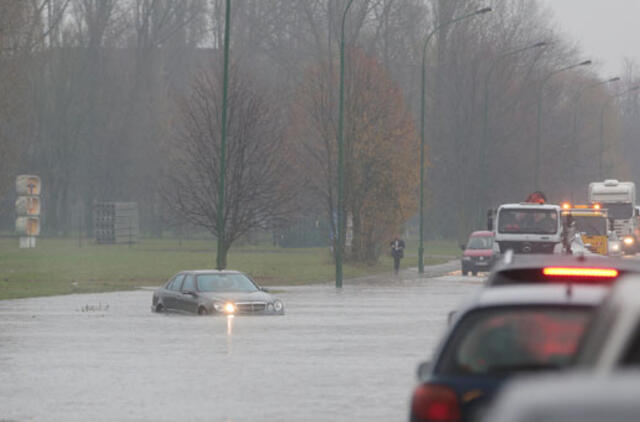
(430, 271)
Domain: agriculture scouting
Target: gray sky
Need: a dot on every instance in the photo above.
(606, 30)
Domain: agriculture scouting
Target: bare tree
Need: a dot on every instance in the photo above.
(260, 187)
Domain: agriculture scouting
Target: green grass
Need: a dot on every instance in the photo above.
(60, 266)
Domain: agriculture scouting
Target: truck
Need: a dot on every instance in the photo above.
(591, 224)
(619, 199)
(528, 227)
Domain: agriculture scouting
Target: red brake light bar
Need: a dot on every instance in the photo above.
(580, 272)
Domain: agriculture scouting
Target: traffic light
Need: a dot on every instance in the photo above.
(28, 207)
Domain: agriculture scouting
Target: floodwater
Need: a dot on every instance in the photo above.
(346, 355)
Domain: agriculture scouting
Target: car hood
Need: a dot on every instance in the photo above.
(238, 296)
(478, 252)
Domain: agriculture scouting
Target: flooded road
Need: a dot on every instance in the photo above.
(336, 355)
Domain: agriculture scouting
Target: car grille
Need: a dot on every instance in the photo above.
(249, 307)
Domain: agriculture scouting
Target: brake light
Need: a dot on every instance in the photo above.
(435, 403)
(580, 272)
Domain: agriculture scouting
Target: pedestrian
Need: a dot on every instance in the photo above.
(397, 251)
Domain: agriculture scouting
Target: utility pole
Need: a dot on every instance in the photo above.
(423, 88)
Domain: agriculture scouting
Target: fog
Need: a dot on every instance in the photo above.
(107, 100)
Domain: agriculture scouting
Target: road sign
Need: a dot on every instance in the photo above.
(28, 208)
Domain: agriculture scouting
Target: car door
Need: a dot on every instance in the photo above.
(173, 291)
(187, 300)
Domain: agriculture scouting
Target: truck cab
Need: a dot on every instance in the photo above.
(619, 199)
(590, 223)
(529, 228)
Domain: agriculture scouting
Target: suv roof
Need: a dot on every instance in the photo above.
(481, 233)
(537, 295)
(523, 205)
(527, 269)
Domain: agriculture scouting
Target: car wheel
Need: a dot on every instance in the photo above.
(202, 311)
(159, 308)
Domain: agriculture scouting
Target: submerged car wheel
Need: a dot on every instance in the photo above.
(159, 308)
(202, 311)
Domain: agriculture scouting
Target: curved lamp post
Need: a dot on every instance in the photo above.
(485, 120)
(422, 122)
(604, 107)
(579, 96)
(536, 168)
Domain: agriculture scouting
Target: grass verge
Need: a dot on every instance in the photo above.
(60, 266)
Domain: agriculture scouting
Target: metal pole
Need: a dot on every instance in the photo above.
(422, 125)
(536, 169)
(221, 264)
(485, 120)
(604, 107)
(340, 226)
(577, 103)
(600, 159)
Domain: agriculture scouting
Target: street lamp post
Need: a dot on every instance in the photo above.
(422, 122)
(536, 168)
(579, 97)
(485, 120)
(604, 107)
(220, 261)
(340, 223)
(574, 137)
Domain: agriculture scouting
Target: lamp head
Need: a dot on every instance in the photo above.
(483, 11)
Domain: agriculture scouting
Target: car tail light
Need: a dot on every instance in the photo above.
(435, 403)
(580, 272)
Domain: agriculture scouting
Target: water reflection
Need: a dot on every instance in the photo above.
(229, 333)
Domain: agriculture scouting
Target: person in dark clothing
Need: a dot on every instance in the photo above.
(397, 251)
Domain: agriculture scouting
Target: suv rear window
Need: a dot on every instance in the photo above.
(505, 340)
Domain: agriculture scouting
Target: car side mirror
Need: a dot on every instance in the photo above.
(463, 247)
(264, 289)
(451, 316)
(423, 370)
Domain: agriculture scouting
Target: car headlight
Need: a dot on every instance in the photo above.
(466, 258)
(225, 307)
(278, 306)
(628, 241)
(615, 247)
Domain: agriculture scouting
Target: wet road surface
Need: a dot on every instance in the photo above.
(345, 355)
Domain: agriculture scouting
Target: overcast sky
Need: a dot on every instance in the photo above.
(606, 30)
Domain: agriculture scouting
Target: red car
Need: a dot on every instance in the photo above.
(479, 254)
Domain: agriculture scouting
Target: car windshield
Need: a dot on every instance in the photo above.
(225, 283)
(501, 341)
(534, 221)
(619, 211)
(591, 226)
(480, 242)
